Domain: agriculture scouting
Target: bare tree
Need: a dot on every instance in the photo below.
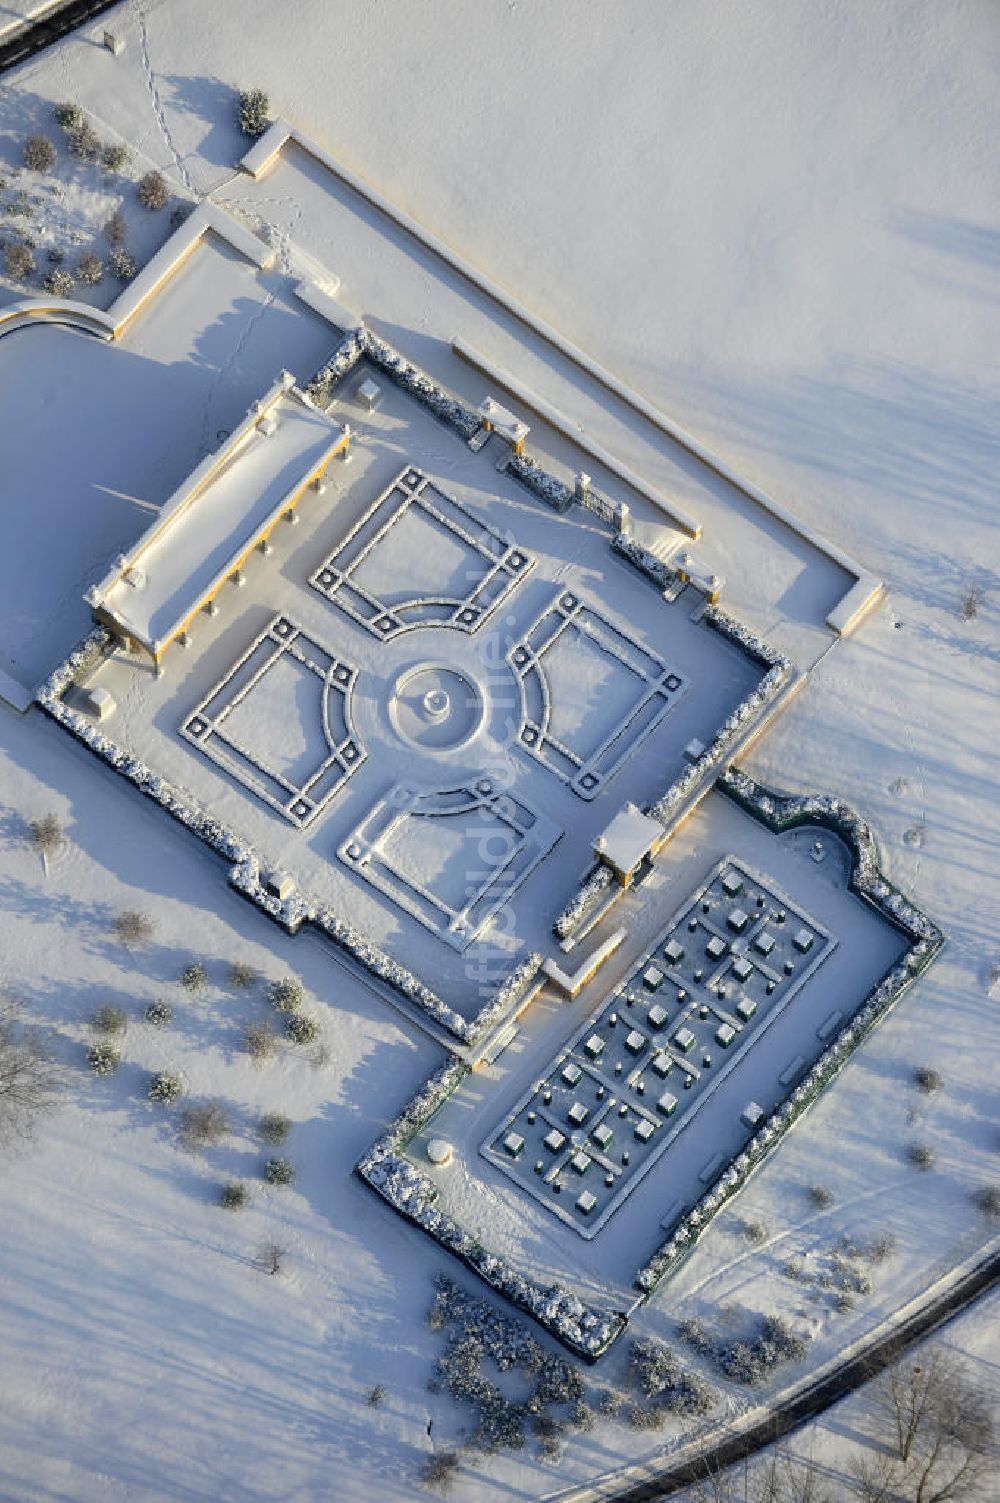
(272, 1257)
(938, 1431)
(28, 1078)
(46, 836)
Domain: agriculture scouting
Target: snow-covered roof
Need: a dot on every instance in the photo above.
(209, 525)
(628, 839)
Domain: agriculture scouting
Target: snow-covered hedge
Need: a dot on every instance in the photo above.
(725, 740)
(245, 872)
(661, 574)
(514, 986)
(584, 901)
(412, 1193)
(782, 812)
(363, 343)
(541, 484)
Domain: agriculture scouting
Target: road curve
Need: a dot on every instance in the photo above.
(808, 1403)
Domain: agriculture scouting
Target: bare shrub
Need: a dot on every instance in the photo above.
(755, 1232)
(28, 1079)
(987, 1201)
(375, 1395)
(114, 228)
(927, 1079)
(90, 270)
(920, 1155)
(153, 190)
(272, 1256)
(203, 1124)
(242, 976)
(821, 1197)
(972, 599)
(657, 1374)
(439, 1470)
(39, 154)
(258, 1039)
(234, 1195)
(122, 263)
(133, 928)
(84, 142)
(253, 111)
(110, 1021)
(18, 261)
(274, 1128)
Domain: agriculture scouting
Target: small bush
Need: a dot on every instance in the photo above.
(253, 112)
(755, 1232)
(122, 264)
(927, 1079)
(159, 1014)
(115, 157)
(881, 1246)
(18, 261)
(301, 1029)
(194, 977)
(972, 599)
(114, 228)
(84, 142)
(611, 1403)
(286, 995)
(375, 1395)
(133, 927)
(153, 190)
(234, 1195)
(821, 1197)
(110, 1020)
(582, 1417)
(274, 1128)
(90, 270)
(164, 1088)
(920, 1155)
(279, 1172)
(103, 1058)
(39, 154)
(204, 1124)
(987, 1200)
(439, 1470)
(258, 1039)
(242, 976)
(68, 115)
(59, 283)
(695, 1334)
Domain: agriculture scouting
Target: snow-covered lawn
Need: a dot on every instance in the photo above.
(784, 233)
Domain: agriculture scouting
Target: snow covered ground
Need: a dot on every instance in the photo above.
(784, 234)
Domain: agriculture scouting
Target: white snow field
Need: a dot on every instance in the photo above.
(782, 232)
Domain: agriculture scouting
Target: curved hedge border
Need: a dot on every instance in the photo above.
(244, 873)
(781, 812)
(412, 1194)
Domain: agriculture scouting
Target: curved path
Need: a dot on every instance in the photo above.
(804, 1405)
